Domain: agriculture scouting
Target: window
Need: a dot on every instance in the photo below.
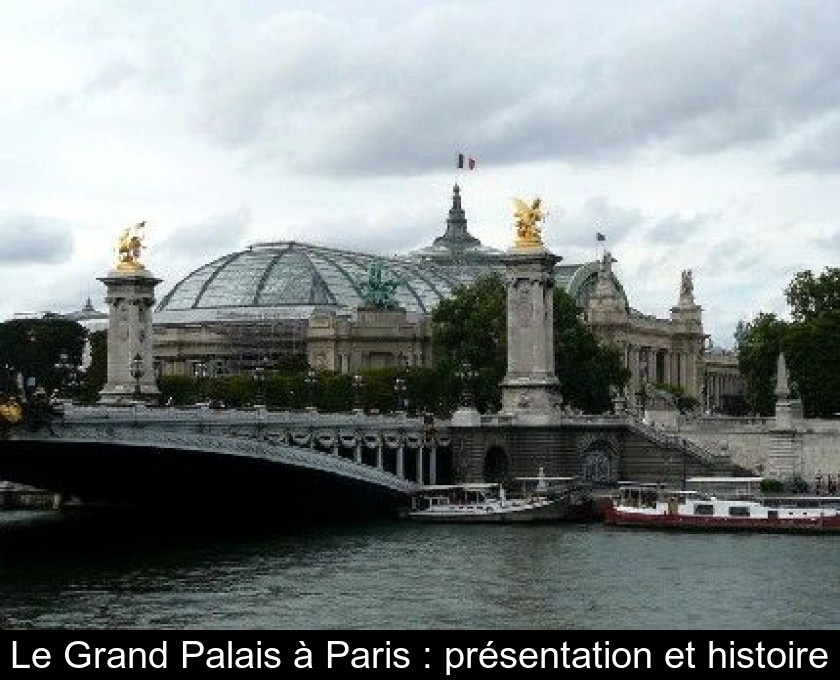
(739, 511)
(704, 509)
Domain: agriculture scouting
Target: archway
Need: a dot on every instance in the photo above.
(496, 465)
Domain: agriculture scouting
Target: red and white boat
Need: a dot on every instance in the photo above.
(721, 503)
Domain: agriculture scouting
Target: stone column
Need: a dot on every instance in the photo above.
(130, 297)
(419, 463)
(400, 461)
(531, 384)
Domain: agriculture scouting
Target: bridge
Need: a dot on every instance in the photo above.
(306, 463)
(303, 463)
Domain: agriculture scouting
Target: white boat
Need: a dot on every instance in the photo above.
(721, 503)
(543, 500)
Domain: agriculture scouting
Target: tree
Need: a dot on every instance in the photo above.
(586, 366)
(810, 343)
(759, 343)
(812, 352)
(472, 326)
(810, 297)
(36, 348)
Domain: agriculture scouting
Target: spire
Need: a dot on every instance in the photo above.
(456, 237)
(782, 390)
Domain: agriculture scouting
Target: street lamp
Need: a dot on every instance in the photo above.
(310, 381)
(358, 386)
(399, 392)
(136, 367)
(201, 373)
(259, 379)
(63, 366)
(466, 374)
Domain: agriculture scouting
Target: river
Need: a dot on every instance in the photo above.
(98, 571)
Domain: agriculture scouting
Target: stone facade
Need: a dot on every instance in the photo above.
(376, 338)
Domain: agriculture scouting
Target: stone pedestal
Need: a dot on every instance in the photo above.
(531, 383)
(130, 297)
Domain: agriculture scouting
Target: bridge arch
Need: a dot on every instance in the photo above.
(496, 467)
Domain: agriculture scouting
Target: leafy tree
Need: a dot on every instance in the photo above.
(472, 326)
(34, 348)
(586, 366)
(810, 296)
(810, 342)
(759, 343)
(812, 352)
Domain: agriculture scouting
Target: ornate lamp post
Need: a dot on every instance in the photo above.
(466, 374)
(202, 371)
(136, 368)
(310, 381)
(399, 392)
(64, 367)
(259, 380)
(358, 386)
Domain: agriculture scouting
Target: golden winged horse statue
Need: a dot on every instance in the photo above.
(129, 247)
(528, 220)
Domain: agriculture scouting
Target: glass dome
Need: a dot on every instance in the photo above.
(291, 280)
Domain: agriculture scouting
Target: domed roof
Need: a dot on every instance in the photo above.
(291, 280)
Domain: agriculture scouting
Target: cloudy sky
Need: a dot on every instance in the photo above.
(700, 135)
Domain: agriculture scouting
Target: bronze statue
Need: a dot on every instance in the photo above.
(528, 231)
(129, 247)
(378, 290)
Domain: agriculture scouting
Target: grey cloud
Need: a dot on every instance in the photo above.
(316, 93)
(818, 151)
(27, 239)
(597, 215)
(214, 236)
(676, 229)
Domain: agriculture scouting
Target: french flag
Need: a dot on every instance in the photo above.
(466, 162)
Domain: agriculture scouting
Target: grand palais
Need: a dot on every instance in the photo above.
(270, 302)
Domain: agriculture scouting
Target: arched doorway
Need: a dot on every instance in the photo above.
(496, 465)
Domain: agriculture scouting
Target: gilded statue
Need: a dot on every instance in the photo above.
(129, 247)
(528, 224)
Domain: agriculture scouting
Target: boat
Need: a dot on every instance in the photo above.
(721, 503)
(543, 499)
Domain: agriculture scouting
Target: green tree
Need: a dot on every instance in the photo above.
(759, 343)
(586, 366)
(471, 326)
(810, 297)
(810, 343)
(35, 348)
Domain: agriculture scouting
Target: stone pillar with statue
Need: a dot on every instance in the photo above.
(530, 385)
(130, 296)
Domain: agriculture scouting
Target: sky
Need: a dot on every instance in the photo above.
(693, 134)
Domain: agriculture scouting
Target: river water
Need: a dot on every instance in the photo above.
(97, 571)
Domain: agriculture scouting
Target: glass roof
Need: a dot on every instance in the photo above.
(292, 279)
